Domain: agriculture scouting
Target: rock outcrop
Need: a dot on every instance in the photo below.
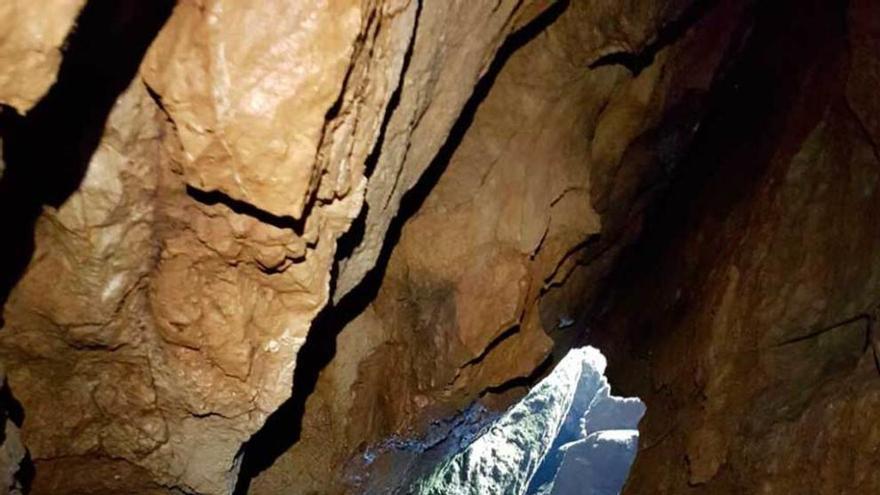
(517, 234)
(30, 53)
(158, 320)
(353, 218)
(565, 415)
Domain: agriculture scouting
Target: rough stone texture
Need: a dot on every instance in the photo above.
(75, 324)
(250, 103)
(454, 44)
(599, 434)
(158, 322)
(430, 99)
(168, 321)
(597, 465)
(497, 257)
(748, 313)
(30, 51)
(157, 325)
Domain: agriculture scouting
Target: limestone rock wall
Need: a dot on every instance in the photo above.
(186, 191)
(453, 44)
(497, 265)
(749, 313)
(168, 292)
(34, 32)
(75, 324)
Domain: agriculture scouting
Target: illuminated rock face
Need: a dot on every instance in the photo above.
(30, 51)
(596, 444)
(596, 465)
(174, 217)
(567, 435)
(160, 303)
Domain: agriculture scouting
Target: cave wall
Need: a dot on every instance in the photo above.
(540, 192)
(427, 203)
(31, 48)
(169, 282)
(745, 319)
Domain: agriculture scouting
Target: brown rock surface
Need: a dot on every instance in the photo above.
(156, 325)
(747, 310)
(30, 50)
(176, 218)
(248, 86)
(75, 323)
(454, 44)
(159, 319)
(495, 258)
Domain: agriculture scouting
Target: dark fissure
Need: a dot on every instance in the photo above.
(510, 215)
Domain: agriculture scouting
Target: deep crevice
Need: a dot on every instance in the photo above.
(813, 334)
(394, 102)
(352, 238)
(48, 150)
(283, 427)
(211, 198)
(523, 381)
(492, 345)
(26, 473)
(10, 409)
(668, 34)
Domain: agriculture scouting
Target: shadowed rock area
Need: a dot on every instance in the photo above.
(280, 247)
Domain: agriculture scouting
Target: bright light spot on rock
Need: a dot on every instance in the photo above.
(112, 286)
(567, 436)
(272, 346)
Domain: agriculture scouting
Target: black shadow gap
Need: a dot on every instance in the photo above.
(48, 150)
(284, 426)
